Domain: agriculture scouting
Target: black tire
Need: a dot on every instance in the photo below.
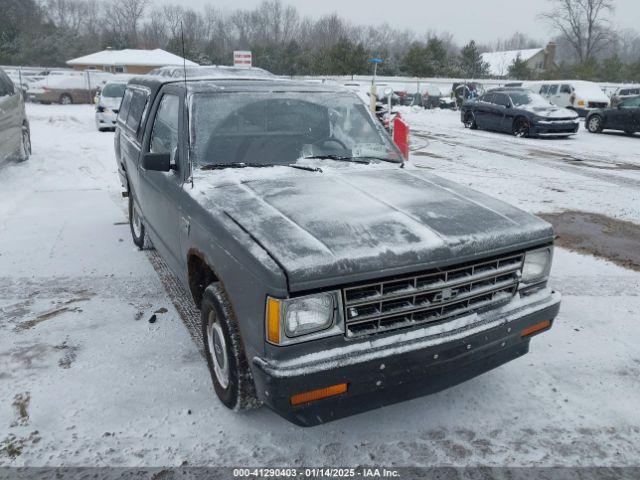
(136, 225)
(470, 121)
(25, 147)
(594, 124)
(521, 127)
(235, 387)
(631, 133)
(65, 99)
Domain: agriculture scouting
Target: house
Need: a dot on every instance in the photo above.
(128, 61)
(539, 60)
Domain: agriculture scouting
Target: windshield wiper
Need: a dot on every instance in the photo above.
(222, 166)
(337, 158)
(382, 159)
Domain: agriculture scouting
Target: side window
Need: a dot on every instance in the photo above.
(164, 136)
(544, 90)
(553, 89)
(635, 91)
(624, 92)
(6, 86)
(565, 89)
(138, 103)
(502, 100)
(125, 104)
(631, 103)
(488, 98)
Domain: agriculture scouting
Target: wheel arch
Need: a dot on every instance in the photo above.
(200, 275)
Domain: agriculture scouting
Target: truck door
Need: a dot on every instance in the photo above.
(161, 192)
(10, 118)
(554, 96)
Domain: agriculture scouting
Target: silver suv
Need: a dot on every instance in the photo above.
(15, 138)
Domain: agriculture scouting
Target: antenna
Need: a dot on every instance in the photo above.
(184, 71)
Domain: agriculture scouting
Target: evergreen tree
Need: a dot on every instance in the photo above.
(519, 70)
(470, 62)
(612, 70)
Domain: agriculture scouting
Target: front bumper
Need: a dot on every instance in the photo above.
(106, 119)
(415, 365)
(555, 128)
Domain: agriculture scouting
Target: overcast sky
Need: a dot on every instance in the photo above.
(482, 20)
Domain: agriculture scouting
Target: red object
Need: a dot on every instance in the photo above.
(401, 136)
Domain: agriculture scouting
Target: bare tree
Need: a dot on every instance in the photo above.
(125, 17)
(584, 24)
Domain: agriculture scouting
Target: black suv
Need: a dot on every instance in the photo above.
(520, 112)
(331, 277)
(625, 116)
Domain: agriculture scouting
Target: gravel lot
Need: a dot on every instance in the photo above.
(85, 379)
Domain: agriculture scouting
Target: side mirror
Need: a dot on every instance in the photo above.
(156, 162)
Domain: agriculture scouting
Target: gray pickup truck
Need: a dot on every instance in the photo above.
(331, 276)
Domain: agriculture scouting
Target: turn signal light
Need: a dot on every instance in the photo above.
(538, 327)
(313, 395)
(273, 321)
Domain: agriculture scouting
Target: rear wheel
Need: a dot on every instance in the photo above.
(228, 366)
(594, 124)
(138, 232)
(65, 99)
(630, 132)
(521, 127)
(470, 121)
(25, 148)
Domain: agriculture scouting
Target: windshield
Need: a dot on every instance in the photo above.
(529, 98)
(114, 90)
(280, 128)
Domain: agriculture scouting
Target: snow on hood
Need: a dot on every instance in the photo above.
(549, 111)
(324, 227)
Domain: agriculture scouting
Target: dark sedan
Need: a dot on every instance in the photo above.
(520, 112)
(624, 117)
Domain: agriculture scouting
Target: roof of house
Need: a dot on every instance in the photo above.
(141, 58)
(499, 62)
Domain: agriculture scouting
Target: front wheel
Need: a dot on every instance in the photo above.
(228, 366)
(138, 232)
(470, 121)
(65, 99)
(521, 128)
(594, 125)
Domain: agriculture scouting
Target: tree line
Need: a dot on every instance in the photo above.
(50, 32)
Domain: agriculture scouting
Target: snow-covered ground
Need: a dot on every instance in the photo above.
(85, 379)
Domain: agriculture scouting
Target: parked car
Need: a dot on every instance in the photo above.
(431, 97)
(577, 95)
(330, 279)
(15, 136)
(624, 117)
(211, 71)
(108, 104)
(623, 93)
(68, 89)
(520, 112)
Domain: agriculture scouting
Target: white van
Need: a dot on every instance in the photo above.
(578, 95)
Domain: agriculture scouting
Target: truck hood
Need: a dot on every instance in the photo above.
(334, 228)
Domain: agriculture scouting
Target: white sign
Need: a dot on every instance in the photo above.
(242, 59)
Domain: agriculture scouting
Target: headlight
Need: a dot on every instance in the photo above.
(300, 319)
(537, 264)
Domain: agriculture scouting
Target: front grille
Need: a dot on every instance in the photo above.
(430, 297)
(598, 105)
